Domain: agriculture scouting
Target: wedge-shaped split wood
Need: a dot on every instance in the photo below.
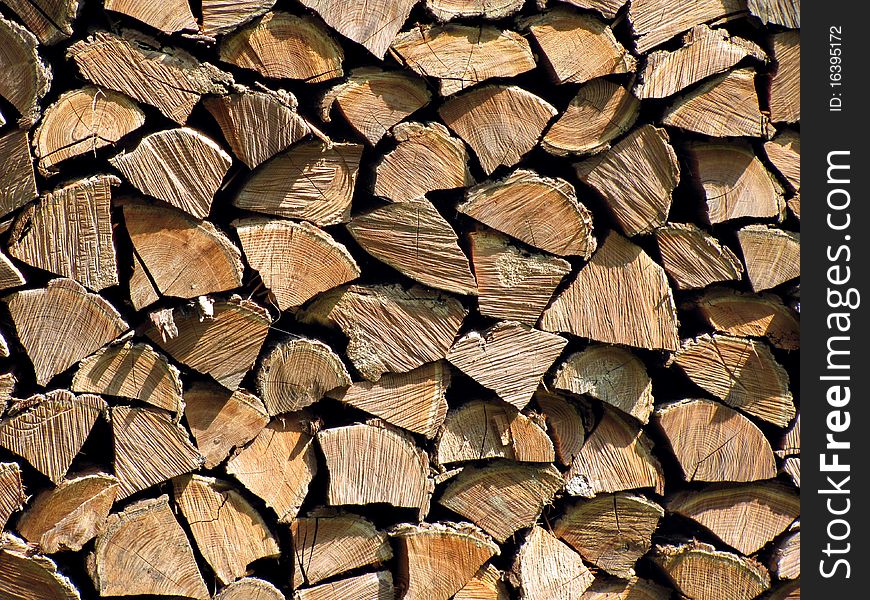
(12, 496)
(390, 329)
(221, 420)
(704, 52)
(70, 515)
(610, 374)
(625, 589)
(713, 442)
(578, 47)
(786, 559)
(746, 517)
(370, 586)
(617, 456)
(373, 100)
(17, 180)
(371, 464)
(564, 423)
(223, 16)
(278, 465)
(296, 261)
(250, 588)
(280, 45)
(606, 8)
(310, 181)
(414, 400)
(180, 166)
(228, 531)
(169, 16)
(25, 575)
(171, 80)
(501, 123)
(327, 545)
(546, 569)
(390, 232)
(509, 358)
(374, 25)
(224, 346)
(702, 572)
(487, 584)
(611, 531)
(50, 20)
(779, 12)
(791, 466)
(656, 21)
(144, 550)
(636, 178)
(69, 232)
(790, 444)
(600, 112)
(695, 259)
(620, 297)
(26, 78)
(297, 373)
(541, 211)
(784, 151)
(785, 83)
(460, 56)
(483, 429)
(446, 10)
(82, 121)
(437, 559)
(141, 287)
(503, 497)
(10, 276)
(772, 256)
(243, 116)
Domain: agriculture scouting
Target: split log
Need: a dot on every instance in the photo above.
(25, 575)
(171, 80)
(779, 12)
(702, 572)
(509, 358)
(546, 569)
(564, 424)
(446, 10)
(742, 373)
(145, 551)
(715, 443)
(599, 113)
(26, 78)
(390, 232)
(296, 261)
(621, 589)
(149, 448)
(735, 183)
(606, 8)
(750, 315)
(250, 588)
(460, 56)
(180, 166)
(17, 180)
(610, 374)
(374, 25)
(310, 181)
(791, 466)
(578, 47)
(487, 584)
(620, 297)
(772, 256)
(611, 531)
(373, 100)
(297, 373)
(541, 211)
(785, 82)
(223, 16)
(371, 586)
(746, 517)
(245, 114)
(636, 178)
(279, 45)
(724, 106)
(69, 232)
(695, 259)
(503, 497)
(617, 456)
(70, 515)
(10, 276)
(704, 52)
(82, 121)
(221, 420)
(131, 370)
(785, 562)
(50, 20)
(656, 21)
(389, 328)
(12, 496)
(141, 287)
(790, 443)
(784, 151)
(501, 123)
(513, 283)
(224, 346)
(369, 464)
(436, 560)
(328, 545)
(168, 17)
(427, 158)
(228, 531)
(49, 430)
(279, 465)
(480, 430)
(414, 400)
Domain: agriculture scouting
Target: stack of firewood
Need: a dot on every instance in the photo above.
(422, 299)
